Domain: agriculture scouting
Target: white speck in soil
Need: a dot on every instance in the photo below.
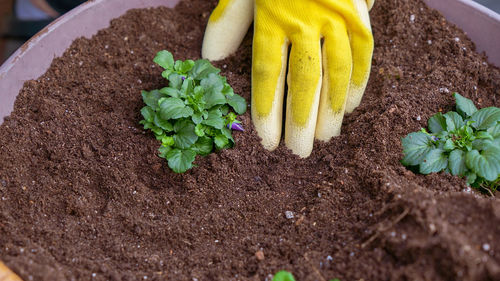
(319, 194)
(21, 250)
(393, 234)
(3, 182)
(132, 51)
(329, 258)
(475, 88)
(216, 241)
(351, 254)
(139, 81)
(457, 39)
(403, 236)
(145, 277)
(134, 192)
(224, 66)
(486, 247)
(429, 42)
(444, 90)
(80, 63)
(106, 46)
(94, 275)
(289, 215)
(3, 198)
(412, 18)
(418, 118)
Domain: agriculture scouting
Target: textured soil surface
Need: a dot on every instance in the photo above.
(83, 195)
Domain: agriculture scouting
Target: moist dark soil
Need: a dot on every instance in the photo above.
(85, 197)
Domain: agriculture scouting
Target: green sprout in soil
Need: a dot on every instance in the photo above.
(284, 275)
(192, 115)
(465, 143)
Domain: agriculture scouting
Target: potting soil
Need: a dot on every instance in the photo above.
(84, 196)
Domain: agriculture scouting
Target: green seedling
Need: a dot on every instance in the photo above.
(284, 275)
(464, 143)
(193, 115)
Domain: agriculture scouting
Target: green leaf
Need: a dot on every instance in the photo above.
(453, 121)
(185, 66)
(164, 124)
(238, 103)
(495, 131)
(163, 151)
(464, 105)
(174, 108)
(283, 276)
(171, 92)
(148, 113)
(201, 69)
(486, 118)
(434, 162)
(471, 177)
(187, 87)
(214, 119)
(213, 91)
(197, 118)
(415, 146)
(484, 135)
(167, 141)
(175, 81)
(437, 123)
(227, 90)
(221, 141)
(449, 145)
(198, 130)
(481, 144)
(184, 134)
(203, 146)
(164, 59)
(180, 160)
(456, 162)
(151, 98)
(485, 163)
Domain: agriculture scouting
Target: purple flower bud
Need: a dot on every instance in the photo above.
(183, 78)
(236, 126)
(434, 138)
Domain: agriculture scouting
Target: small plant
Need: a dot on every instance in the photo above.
(284, 275)
(463, 143)
(192, 114)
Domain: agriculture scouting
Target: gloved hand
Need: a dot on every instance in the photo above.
(6, 274)
(324, 80)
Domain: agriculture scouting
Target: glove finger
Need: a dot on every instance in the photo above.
(361, 42)
(226, 28)
(270, 51)
(337, 66)
(304, 86)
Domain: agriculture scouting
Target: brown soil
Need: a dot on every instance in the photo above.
(84, 196)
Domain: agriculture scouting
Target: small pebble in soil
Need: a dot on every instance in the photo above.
(329, 258)
(259, 255)
(94, 275)
(429, 42)
(412, 18)
(403, 236)
(486, 247)
(457, 39)
(418, 118)
(289, 215)
(444, 90)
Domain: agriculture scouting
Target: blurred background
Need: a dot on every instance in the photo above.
(21, 19)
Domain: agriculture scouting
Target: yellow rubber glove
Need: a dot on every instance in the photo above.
(7, 275)
(324, 80)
